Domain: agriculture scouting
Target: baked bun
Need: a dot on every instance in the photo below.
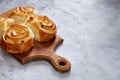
(21, 14)
(17, 39)
(44, 29)
(4, 23)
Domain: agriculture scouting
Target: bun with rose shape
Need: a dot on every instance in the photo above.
(21, 14)
(44, 29)
(17, 39)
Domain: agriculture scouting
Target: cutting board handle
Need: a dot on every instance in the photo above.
(60, 63)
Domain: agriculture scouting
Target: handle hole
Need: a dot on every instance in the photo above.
(62, 63)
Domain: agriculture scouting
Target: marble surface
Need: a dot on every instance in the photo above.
(91, 32)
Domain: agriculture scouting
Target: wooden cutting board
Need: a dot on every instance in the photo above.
(43, 51)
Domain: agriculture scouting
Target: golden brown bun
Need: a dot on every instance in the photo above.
(17, 39)
(44, 29)
(21, 14)
(4, 23)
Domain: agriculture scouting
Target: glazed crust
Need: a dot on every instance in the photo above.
(17, 39)
(4, 23)
(28, 26)
(21, 14)
(43, 28)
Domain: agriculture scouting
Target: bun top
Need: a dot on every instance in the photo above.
(24, 10)
(17, 33)
(47, 24)
(22, 14)
(42, 26)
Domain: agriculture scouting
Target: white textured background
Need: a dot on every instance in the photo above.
(91, 32)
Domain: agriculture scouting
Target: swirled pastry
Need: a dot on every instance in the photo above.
(21, 14)
(44, 29)
(17, 39)
(4, 23)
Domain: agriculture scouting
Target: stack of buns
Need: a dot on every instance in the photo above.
(21, 27)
